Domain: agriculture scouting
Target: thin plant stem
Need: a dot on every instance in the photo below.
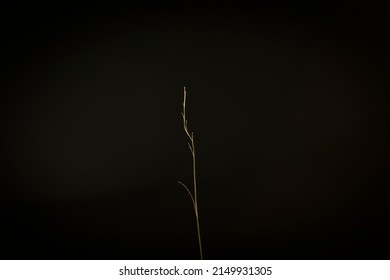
(194, 197)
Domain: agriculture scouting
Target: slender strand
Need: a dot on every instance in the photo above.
(194, 197)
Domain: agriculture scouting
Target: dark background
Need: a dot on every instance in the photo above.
(288, 104)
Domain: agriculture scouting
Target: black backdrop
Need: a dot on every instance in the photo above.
(288, 104)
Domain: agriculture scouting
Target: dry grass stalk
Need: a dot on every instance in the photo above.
(194, 196)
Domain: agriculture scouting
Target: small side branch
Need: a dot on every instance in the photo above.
(192, 198)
